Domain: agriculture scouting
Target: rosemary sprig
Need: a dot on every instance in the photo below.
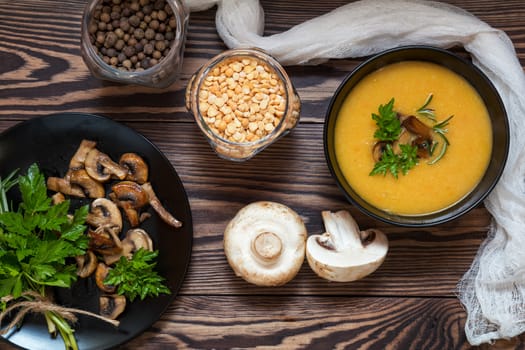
(425, 111)
(440, 129)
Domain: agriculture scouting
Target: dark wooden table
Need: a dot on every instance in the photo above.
(409, 303)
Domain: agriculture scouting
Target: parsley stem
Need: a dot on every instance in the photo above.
(5, 185)
(65, 330)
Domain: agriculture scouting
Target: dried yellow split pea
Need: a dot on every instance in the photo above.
(242, 99)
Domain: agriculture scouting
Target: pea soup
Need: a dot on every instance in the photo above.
(440, 101)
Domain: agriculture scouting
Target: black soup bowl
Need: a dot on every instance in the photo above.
(493, 103)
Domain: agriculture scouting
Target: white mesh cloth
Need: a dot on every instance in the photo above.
(493, 290)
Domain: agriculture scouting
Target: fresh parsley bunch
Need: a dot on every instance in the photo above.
(136, 277)
(393, 163)
(37, 239)
(388, 124)
(36, 244)
(389, 129)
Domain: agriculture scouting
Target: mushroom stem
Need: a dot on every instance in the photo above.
(159, 208)
(342, 228)
(344, 253)
(267, 246)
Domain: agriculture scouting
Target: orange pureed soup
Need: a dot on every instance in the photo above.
(425, 188)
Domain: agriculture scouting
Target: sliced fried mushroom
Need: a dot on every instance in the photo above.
(417, 127)
(104, 212)
(139, 238)
(105, 240)
(78, 159)
(159, 208)
(378, 150)
(57, 198)
(100, 275)
(111, 306)
(91, 187)
(130, 196)
(135, 239)
(58, 184)
(265, 243)
(423, 146)
(136, 166)
(344, 253)
(101, 167)
(86, 263)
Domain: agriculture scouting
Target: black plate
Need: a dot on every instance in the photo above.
(51, 141)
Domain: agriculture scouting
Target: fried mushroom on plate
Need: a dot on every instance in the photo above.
(118, 190)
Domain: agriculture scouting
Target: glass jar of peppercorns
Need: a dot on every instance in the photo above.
(134, 41)
(243, 101)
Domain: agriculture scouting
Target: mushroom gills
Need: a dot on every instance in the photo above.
(101, 167)
(87, 264)
(104, 212)
(131, 197)
(111, 306)
(137, 169)
(100, 275)
(91, 187)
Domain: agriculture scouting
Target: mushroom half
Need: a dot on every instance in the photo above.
(101, 167)
(104, 212)
(344, 253)
(265, 243)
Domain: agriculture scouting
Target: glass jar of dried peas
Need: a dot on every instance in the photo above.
(138, 42)
(243, 101)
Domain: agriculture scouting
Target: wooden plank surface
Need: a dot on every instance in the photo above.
(409, 303)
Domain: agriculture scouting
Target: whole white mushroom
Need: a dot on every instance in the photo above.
(265, 243)
(344, 253)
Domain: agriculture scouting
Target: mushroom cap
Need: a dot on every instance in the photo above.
(130, 192)
(104, 212)
(86, 263)
(343, 259)
(136, 166)
(111, 306)
(78, 159)
(91, 187)
(265, 243)
(101, 273)
(100, 166)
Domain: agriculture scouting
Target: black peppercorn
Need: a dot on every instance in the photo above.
(134, 21)
(124, 24)
(145, 63)
(148, 49)
(111, 52)
(147, 9)
(111, 39)
(154, 24)
(138, 33)
(129, 51)
(105, 17)
(149, 34)
(160, 46)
